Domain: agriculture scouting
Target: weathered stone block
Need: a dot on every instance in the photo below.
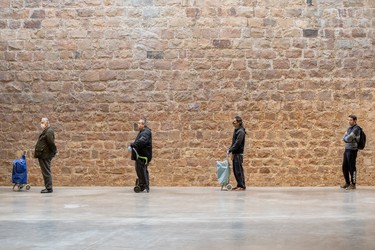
(155, 54)
(281, 64)
(221, 44)
(32, 24)
(38, 14)
(193, 12)
(310, 33)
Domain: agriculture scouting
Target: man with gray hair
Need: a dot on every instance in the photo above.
(45, 150)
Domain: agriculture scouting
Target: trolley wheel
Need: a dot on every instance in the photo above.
(137, 189)
(229, 187)
(28, 187)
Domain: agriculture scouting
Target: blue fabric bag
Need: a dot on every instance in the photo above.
(19, 173)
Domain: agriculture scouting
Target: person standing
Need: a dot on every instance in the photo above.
(237, 149)
(142, 154)
(351, 139)
(45, 150)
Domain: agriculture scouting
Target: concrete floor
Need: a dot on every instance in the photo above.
(188, 218)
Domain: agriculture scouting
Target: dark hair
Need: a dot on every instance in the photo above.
(238, 119)
(354, 117)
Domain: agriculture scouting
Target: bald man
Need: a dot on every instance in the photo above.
(45, 150)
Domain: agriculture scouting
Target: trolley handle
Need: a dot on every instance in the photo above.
(139, 156)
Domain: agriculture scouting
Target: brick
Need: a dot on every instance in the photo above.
(10, 56)
(32, 24)
(14, 24)
(162, 65)
(3, 46)
(358, 32)
(221, 44)
(230, 33)
(308, 64)
(40, 14)
(32, 3)
(281, 64)
(293, 53)
(119, 64)
(3, 24)
(325, 96)
(5, 3)
(6, 76)
(24, 56)
(85, 12)
(90, 76)
(193, 12)
(107, 75)
(310, 33)
(155, 54)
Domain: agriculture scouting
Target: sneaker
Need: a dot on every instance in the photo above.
(344, 185)
(351, 186)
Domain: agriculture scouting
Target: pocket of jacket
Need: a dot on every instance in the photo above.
(39, 152)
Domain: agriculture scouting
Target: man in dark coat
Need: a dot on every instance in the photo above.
(45, 150)
(237, 149)
(142, 154)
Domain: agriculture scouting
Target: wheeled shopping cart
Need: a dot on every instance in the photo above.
(223, 174)
(19, 174)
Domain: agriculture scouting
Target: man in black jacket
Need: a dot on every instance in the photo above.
(142, 154)
(45, 150)
(237, 149)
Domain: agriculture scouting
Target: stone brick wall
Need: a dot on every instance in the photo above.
(292, 71)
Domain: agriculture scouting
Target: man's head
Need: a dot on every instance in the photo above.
(237, 121)
(44, 123)
(141, 124)
(352, 120)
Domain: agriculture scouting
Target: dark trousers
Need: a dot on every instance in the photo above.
(238, 170)
(142, 173)
(349, 168)
(45, 166)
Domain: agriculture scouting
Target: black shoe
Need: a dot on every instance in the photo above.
(46, 191)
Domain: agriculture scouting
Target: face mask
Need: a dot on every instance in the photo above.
(42, 126)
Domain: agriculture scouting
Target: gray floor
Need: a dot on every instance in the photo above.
(188, 218)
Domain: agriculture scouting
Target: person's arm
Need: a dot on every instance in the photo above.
(353, 135)
(238, 141)
(142, 140)
(51, 140)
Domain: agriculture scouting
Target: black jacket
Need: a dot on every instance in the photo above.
(238, 141)
(45, 147)
(143, 144)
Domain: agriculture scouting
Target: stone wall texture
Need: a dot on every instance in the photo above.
(293, 72)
